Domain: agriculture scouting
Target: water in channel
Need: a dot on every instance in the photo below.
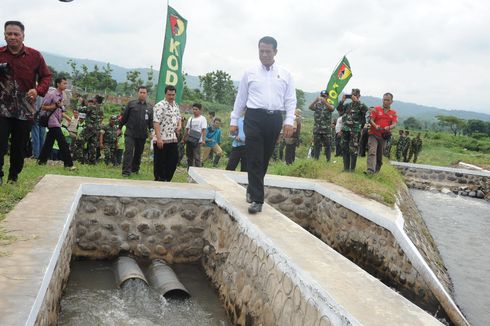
(92, 298)
(460, 227)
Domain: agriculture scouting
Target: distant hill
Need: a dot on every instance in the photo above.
(404, 109)
(119, 73)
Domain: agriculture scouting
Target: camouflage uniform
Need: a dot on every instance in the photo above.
(322, 130)
(353, 119)
(415, 148)
(109, 140)
(400, 145)
(406, 147)
(89, 134)
(77, 146)
(388, 144)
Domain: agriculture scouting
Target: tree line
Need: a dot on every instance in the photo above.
(457, 126)
(216, 86)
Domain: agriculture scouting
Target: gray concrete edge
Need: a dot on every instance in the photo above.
(396, 230)
(337, 314)
(441, 168)
(93, 189)
(38, 302)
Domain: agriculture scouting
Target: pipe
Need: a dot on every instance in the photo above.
(163, 279)
(126, 268)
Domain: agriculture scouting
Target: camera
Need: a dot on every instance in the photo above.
(348, 96)
(4, 68)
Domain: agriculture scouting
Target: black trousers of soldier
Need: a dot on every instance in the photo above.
(237, 155)
(53, 134)
(290, 153)
(132, 154)
(18, 131)
(165, 161)
(262, 130)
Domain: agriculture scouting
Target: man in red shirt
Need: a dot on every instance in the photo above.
(21, 68)
(383, 120)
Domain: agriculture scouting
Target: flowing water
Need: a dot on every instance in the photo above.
(92, 298)
(460, 227)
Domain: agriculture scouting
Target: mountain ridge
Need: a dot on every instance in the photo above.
(404, 109)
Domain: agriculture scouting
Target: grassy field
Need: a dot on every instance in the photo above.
(439, 148)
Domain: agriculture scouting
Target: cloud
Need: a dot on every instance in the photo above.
(429, 52)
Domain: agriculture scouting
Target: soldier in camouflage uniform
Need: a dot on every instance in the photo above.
(415, 148)
(400, 144)
(89, 135)
(108, 141)
(406, 146)
(322, 129)
(353, 119)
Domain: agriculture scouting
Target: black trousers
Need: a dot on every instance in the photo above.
(193, 153)
(237, 155)
(132, 154)
(53, 134)
(165, 161)
(18, 131)
(262, 129)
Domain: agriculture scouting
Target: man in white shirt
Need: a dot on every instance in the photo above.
(266, 91)
(195, 126)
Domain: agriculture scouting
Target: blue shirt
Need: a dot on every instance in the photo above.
(213, 136)
(241, 134)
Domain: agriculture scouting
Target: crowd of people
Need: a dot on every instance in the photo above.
(264, 123)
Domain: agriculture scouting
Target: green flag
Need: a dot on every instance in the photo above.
(340, 77)
(173, 51)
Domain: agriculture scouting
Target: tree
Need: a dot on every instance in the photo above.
(300, 98)
(412, 123)
(75, 72)
(477, 126)
(217, 86)
(58, 74)
(453, 123)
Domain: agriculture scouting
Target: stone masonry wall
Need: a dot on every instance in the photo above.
(368, 245)
(251, 281)
(466, 184)
(169, 229)
(48, 314)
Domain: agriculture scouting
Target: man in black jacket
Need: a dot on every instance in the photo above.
(138, 118)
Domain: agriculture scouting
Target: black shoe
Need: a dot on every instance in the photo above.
(255, 208)
(249, 198)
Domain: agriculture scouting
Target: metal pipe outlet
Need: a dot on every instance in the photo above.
(163, 279)
(126, 268)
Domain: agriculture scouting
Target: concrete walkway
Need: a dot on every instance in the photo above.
(337, 283)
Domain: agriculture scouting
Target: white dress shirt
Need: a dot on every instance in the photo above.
(271, 89)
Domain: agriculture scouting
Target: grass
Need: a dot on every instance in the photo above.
(10, 194)
(381, 187)
(439, 148)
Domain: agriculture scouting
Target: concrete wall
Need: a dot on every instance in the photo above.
(367, 244)
(459, 181)
(266, 268)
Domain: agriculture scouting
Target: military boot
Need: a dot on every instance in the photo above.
(353, 161)
(346, 159)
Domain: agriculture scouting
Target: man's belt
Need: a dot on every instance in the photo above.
(270, 112)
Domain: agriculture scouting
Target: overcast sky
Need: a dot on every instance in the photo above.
(429, 52)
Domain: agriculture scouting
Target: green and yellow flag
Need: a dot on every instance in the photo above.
(340, 77)
(173, 51)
